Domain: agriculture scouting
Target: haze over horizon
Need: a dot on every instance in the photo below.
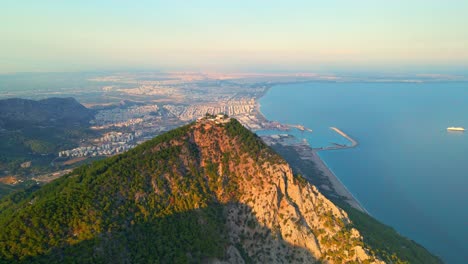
(233, 131)
(236, 35)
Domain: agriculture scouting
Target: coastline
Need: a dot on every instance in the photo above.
(339, 187)
(309, 153)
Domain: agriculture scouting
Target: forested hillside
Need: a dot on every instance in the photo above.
(205, 192)
(34, 131)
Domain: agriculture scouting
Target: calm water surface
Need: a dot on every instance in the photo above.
(407, 171)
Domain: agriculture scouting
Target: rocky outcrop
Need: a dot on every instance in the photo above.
(210, 192)
(277, 217)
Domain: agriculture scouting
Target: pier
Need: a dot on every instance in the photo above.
(335, 146)
(331, 184)
(300, 127)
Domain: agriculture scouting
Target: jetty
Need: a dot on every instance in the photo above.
(331, 184)
(354, 143)
(300, 127)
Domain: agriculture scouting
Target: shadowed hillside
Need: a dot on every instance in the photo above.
(34, 131)
(209, 192)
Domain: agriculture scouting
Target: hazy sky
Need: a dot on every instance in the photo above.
(85, 35)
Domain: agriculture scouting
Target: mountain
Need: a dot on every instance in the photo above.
(209, 192)
(17, 113)
(30, 130)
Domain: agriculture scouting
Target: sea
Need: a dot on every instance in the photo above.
(408, 171)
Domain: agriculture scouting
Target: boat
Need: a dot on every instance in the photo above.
(455, 129)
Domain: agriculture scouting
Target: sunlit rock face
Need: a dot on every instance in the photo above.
(210, 192)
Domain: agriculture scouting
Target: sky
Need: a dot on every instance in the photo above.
(88, 35)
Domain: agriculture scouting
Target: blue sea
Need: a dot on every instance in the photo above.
(408, 171)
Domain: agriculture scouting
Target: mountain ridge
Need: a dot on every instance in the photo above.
(35, 131)
(155, 203)
(65, 111)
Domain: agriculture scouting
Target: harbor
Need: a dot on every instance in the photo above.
(306, 160)
(336, 146)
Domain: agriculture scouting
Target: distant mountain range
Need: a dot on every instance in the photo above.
(208, 192)
(17, 113)
(30, 130)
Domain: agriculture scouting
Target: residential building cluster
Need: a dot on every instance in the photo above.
(125, 116)
(93, 151)
(118, 137)
(110, 144)
(230, 107)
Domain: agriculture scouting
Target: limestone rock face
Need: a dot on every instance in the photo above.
(277, 217)
(209, 192)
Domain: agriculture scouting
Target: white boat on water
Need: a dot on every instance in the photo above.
(455, 129)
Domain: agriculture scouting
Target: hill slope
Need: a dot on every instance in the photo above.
(205, 192)
(15, 112)
(36, 130)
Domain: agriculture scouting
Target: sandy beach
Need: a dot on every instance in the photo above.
(308, 153)
(337, 185)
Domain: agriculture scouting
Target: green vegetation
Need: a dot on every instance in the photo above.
(382, 239)
(6, 189)
(37, 130)
(161, 202)
(152, 203)
(306, 168)
(178, 238)
(39, 145)
(251, 143)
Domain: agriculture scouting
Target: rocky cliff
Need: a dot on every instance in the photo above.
(208, 192)
(277, 217)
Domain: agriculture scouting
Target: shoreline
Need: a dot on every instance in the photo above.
(338, 186)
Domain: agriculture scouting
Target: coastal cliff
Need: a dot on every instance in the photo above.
(208, 192)
(277, 217)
